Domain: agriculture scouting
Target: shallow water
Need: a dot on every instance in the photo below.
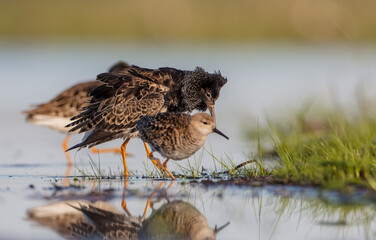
(262, 80)
(272, 212)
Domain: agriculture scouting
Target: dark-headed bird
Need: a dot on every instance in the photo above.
(118, 104)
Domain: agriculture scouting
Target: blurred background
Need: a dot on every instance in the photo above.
(242, 21)
(275, 54)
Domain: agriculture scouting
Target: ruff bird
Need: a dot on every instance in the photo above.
(123, 98)
(57, 112)
(176, 135)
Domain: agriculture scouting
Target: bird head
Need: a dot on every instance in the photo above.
(206, 124)
(201, 89)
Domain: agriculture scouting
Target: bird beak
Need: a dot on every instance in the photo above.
(211, 110)
(216, 229)
(220, 133)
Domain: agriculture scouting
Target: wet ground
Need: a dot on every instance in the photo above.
(271, 212)
(265, 79)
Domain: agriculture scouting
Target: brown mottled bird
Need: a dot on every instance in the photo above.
(173, 220)
(104, 224)
(176, 135)
(124, 98)
(57, 112)
(177, 220)
(83, 220)
(69, 219)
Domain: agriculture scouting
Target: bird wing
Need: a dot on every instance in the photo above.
(66, 103)
(104, 224)
(155, 127)
(164, 76)
(119, 103)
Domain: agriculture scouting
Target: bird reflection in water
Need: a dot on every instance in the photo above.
(81, 219)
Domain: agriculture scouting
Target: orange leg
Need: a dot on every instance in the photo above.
(66, 175)
(69, 160)
(150, 203)
(65, 147)
(123, 202)
(151, 157)
(150, 198)
(114, 150)
(164, 194)
(165, 168)
(157, 162)
(122, 148)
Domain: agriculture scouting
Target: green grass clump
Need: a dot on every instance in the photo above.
(326, 149)
(95, 172)
(248, 169)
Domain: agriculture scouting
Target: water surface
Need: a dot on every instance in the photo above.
(262, 80)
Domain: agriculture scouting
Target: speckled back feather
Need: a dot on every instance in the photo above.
(66, 103)
(105, 225)
(118, 104)
(175, 135)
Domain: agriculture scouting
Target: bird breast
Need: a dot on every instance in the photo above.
(180, 144)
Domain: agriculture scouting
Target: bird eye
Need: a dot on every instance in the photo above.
(208, 95)
(206, 123)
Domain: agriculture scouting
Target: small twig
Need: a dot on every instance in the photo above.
(239, 166)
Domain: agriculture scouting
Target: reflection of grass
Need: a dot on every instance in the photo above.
(326, 149)
(318, 211)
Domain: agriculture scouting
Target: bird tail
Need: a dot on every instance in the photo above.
(95, 137)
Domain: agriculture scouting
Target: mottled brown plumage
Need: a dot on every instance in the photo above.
(57, 112)
(177, 220)
(173, 220)
(104, 224)
(62, 216)
(83, 220)
(176, 135)
(124, 98)
(118, 104)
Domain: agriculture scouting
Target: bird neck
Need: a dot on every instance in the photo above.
(190, 91)
(195, 136)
